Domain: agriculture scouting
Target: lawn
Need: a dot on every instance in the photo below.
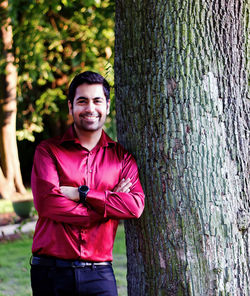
(14, 266)
(6, 206)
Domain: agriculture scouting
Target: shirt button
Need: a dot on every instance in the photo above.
(90, 171)
(90, 152)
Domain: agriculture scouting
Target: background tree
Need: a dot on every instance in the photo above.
(52, 42)
(10, 173)
(181, 102)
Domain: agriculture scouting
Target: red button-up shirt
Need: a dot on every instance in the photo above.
(66, 229)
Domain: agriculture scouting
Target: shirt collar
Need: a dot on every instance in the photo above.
(70, 136)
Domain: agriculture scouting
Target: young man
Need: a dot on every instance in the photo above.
(82, 183)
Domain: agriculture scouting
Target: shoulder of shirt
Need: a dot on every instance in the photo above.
(111, 143)
(120, 150)
(114, 145)
(68, 135)
(55, 141)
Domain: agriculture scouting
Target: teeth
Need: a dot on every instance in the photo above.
(90, 117)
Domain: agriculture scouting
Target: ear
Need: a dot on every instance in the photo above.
(70, 107)
(108, 107)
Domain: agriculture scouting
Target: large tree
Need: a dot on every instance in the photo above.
(181, 102)
(10, 173)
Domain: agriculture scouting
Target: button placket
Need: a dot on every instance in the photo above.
(90, 169)
(83, 234)
(84, 167)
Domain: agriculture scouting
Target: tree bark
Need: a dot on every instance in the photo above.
(10, 174)
(181, 103)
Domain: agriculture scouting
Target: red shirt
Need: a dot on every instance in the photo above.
(69, 230)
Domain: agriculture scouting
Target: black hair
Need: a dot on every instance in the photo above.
(88, 77)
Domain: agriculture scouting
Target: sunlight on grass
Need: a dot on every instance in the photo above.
(6, 206)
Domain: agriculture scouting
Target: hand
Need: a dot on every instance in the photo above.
(123, 186)
(70, 192)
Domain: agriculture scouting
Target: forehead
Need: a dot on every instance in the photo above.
(89, 91)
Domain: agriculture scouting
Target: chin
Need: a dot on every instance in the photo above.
(90, 129)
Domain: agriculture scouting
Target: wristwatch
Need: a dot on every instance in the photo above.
(83, 191)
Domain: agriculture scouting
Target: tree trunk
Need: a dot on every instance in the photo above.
(181, 103)
(10, 175)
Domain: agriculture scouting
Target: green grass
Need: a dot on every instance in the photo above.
(15, 269)
(120, 261)
(6, 206)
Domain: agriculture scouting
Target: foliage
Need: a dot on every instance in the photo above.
(54, 41)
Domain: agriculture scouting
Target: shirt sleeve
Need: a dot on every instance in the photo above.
(49, 200)
(120, 205)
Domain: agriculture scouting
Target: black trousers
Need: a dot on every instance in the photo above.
(69, 281)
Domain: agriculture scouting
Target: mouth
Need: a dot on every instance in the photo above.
(90, 117)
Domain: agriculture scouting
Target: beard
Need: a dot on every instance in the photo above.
(89, 122)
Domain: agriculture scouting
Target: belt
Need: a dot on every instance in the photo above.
(50, 261)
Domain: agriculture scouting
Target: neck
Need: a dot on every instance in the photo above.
(88, 139)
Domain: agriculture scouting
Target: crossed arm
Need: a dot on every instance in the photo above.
(126, 200)
(73, 194)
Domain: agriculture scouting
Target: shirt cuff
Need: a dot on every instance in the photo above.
(97, 199)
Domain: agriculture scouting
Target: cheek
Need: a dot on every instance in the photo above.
(76, 110)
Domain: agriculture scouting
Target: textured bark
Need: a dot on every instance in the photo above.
(181, 103)
(10, 174)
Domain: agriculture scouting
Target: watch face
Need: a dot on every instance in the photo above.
(84, 188)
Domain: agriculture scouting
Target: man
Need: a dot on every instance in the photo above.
(83, 183)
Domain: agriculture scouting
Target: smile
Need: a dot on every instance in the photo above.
(90, 117)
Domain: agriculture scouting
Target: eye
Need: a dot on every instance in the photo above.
(98, 100)
(81, 101)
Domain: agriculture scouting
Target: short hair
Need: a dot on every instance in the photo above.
(88, 77)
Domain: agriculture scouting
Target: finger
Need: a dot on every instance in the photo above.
(119, 185)
(121, 188)
(124, 182)
(125, 188)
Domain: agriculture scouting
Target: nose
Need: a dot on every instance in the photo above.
(90, 107)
